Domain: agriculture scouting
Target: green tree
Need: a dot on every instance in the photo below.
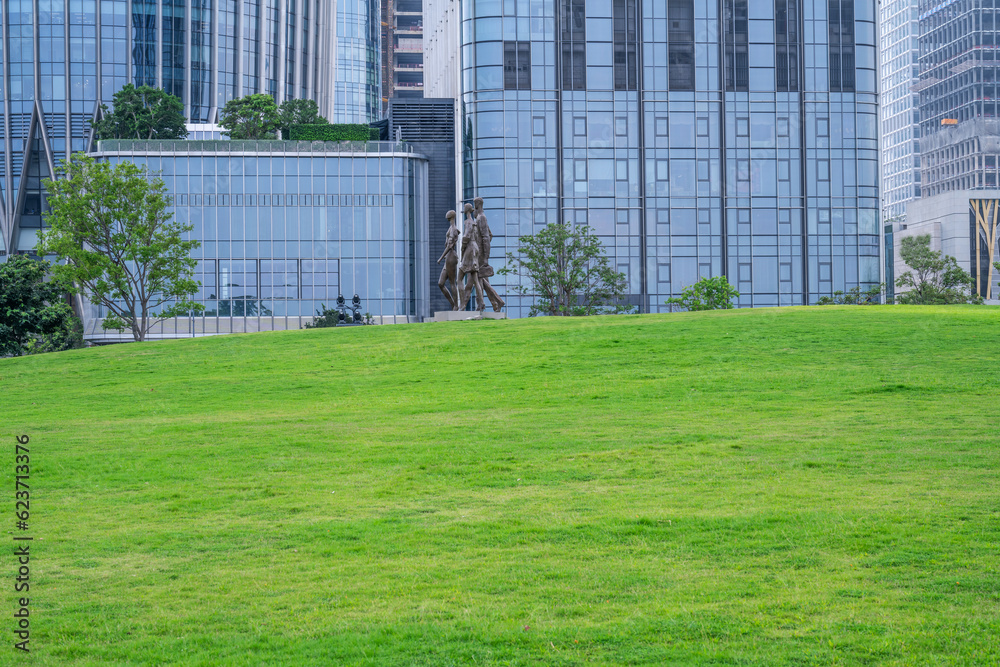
(142, 113)
(707, 294)
(34, 317)
(251, 117)
(298, 112)
(934, 278)
(565, 268)
(111, 225)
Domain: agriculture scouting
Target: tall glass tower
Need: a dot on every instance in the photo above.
(60, 59)
(736, 137)
(900, 120)
(960, 133)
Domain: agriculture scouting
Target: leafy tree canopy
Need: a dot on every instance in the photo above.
(934, 278)
(142, 113)
(298, 112)
(251, 117)
(565, 268)
(33, 315)
(707, 294)
(111, 225)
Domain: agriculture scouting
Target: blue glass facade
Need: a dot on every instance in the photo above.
(358, 83)
(697, 139)
(286, 226)
(59, 59)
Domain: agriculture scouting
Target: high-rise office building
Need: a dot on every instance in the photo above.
(899, 105)
(441, 48)
(60, 60)
(697, 139)
(356, 75)
(960, 133)
(959, 139)
(402, 50)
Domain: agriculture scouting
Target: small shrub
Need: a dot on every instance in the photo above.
(325, 317)
(854, 297)
(707, 294)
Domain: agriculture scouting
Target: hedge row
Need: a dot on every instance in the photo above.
(338, 132)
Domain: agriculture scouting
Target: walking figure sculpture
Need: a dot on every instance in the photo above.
(450, 268)
(485, 270)
(470, 262)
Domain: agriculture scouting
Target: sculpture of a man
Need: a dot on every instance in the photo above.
(450, 255)
(470, 261)
(485, 270)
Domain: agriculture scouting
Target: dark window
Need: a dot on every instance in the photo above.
(841, 45)
(680, 37)
(737, 59)
(517, 65)
(574, 47)
(626, 44)
(786, 60)
(574, 66)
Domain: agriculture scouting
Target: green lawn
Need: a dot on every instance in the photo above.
(786, 486)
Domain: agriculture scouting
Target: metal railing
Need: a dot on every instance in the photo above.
(229, 146)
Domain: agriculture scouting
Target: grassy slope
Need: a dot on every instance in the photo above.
(790, 486)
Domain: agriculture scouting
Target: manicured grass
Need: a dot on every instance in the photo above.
(771, 487)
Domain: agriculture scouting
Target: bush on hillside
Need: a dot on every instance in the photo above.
(707, 294)
(854, 297)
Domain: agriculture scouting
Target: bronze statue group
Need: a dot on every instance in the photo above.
(473, 273)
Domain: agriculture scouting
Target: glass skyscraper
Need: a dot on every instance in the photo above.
(355, 70)
(900, 105)
(736, 137)
(960, 133)
(59, 59)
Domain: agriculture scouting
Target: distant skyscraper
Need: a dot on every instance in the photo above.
(357, 77)
(402, 49)
(959, 139)
(697, 138)
(57, 67)
(900, 105)
(959, 130)
(441, 52)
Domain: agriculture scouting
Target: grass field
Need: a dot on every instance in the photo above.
(769, 487)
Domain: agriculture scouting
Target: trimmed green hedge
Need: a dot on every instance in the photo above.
(338, 132)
